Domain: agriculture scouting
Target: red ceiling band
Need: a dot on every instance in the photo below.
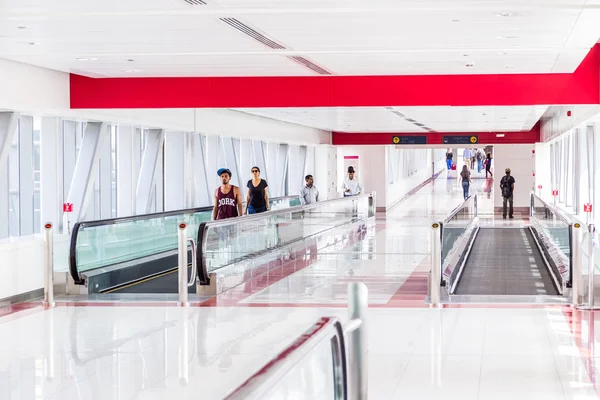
(532, 136)
(580, 87)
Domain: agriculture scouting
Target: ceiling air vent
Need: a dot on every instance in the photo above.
(245, 29)
(310, 65)
(195, 2)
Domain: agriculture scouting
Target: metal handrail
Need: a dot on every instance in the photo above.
(194, 274)
(349, 340)
(325, 329)
(73, 270)
(471, 198)
(202, 237)
(562, 215)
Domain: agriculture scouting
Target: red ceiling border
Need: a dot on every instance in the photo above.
(579, 87)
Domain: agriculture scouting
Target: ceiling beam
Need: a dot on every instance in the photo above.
(580, 87)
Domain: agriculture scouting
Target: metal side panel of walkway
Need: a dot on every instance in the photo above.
(505, 261)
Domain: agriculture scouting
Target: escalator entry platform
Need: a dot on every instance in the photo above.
(505, 261)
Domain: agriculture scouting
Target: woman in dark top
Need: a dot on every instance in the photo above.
(258, 194)
(488, 165)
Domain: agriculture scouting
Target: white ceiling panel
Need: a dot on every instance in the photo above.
(355, 37)
(409, 119)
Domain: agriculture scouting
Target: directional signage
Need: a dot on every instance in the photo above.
(409, 139)
(587, 208)
(474, 139)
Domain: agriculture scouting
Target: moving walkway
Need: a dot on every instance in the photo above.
(139, 254)
(477, 260)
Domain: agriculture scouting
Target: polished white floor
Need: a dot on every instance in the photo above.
(158, 352)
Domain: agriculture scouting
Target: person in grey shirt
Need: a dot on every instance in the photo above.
(309, 193)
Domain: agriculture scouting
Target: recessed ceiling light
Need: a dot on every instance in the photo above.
(469, 65)
(87, 59)
(32, 43)
(465, 55)
(503, 53)
(505, 14)
(132, 71)
(509, 66)
(456, 20)
(508, 37)
(21, 27)
(130, 60)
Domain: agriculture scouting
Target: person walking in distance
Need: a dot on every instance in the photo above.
(488, 165)
(351, 186)
(507, 186)
(467, 155)
(479, 156)
(309, 193)
(473, 156)
(228, 198)
(258, 194)
(465, 177)
(449, 157)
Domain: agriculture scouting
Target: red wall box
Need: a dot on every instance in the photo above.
(579, 87)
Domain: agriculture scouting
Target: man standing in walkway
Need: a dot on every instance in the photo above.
(309, 194)
(228, 198)
(507, 186)
(351, 186)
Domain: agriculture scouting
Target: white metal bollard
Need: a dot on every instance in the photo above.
(435, 276)
(577, 261)
(357, 342)
(591, 266)
(48, 266)
(182, 265)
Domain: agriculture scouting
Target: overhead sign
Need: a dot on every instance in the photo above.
(587, 208)
(68, 207)
(474, 139)
(555, 192)
(409, 140)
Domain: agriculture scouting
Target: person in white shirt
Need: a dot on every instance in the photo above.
(309, 193)
(467, 155)
(351, 186)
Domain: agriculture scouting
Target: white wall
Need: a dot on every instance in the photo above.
(373, 172)
(519, 158)
(21, 268)
(24, 87)
(325, 172)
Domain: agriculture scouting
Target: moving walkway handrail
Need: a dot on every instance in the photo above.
(348, 349)
(203, 274)
(562, 215)
(73, 270)
(471, 198)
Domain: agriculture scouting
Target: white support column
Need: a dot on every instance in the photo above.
(26, 175)
(105, 181)
(302, 156)
(260, 158)
(282, 166)
(86, 169)
(246, 163)
(52, 172)
(8, 128)
(150, 161)
(203, 191)
(126, 170)
(213, 149)
(232, 158)
(175, 165)
(271, 169)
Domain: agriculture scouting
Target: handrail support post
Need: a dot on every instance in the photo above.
(435, 275)
(182, 257)
(48, 266)
(357, 365)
